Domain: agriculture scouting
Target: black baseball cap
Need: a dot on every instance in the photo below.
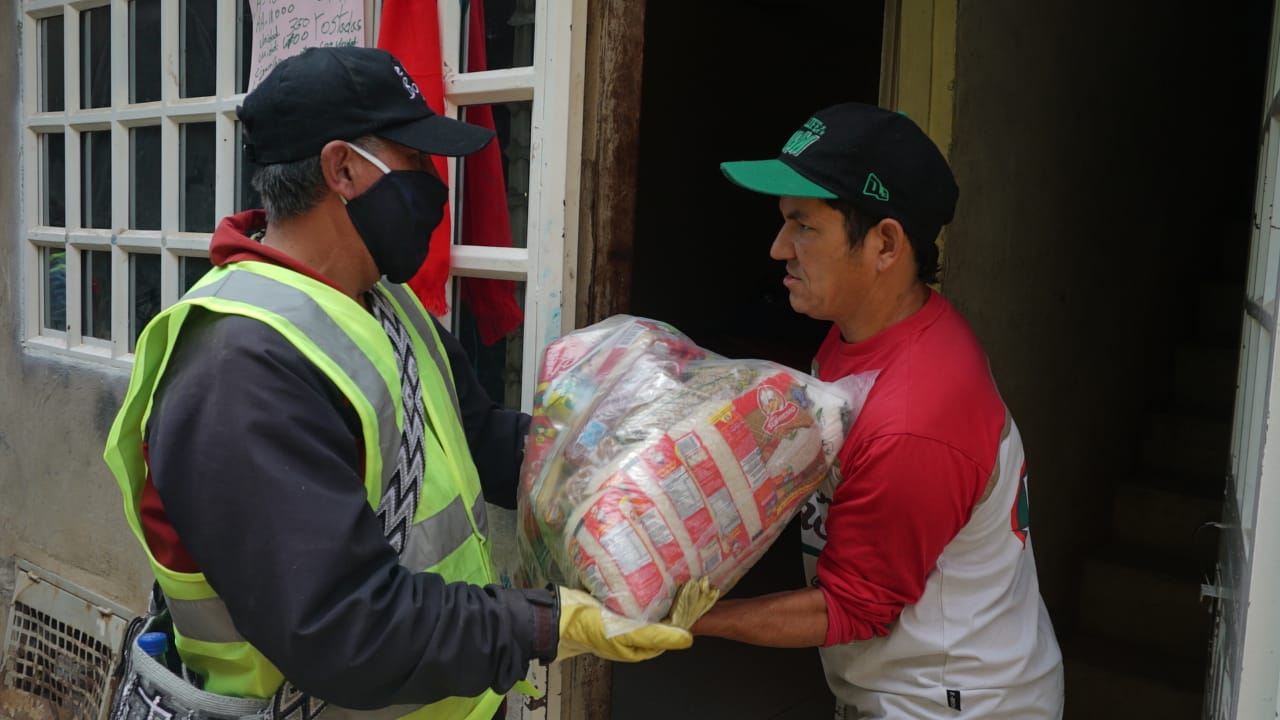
(877, 160)
(342, 93)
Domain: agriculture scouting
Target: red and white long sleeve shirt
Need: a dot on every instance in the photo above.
(919, 539)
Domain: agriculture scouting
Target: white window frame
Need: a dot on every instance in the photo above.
(554, 83)
(169, 113)
(547, 266)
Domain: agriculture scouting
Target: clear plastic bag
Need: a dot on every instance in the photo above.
(651, 462)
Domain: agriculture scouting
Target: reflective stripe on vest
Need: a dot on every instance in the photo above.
(429, 542)
(422, 325)
(302, 311)
(426, 331)
(348, 347)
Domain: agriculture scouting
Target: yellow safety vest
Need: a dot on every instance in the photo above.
(449, 534)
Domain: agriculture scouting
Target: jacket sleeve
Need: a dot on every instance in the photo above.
(495, 434)
(256, 459)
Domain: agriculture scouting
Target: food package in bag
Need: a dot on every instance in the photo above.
(651, 462)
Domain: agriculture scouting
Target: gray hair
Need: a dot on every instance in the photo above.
(290, 189)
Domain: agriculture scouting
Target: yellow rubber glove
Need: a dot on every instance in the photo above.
(582, 631)
(693, 600)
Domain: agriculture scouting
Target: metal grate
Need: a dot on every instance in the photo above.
(61, 646)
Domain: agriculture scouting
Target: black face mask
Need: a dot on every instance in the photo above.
(396, 216)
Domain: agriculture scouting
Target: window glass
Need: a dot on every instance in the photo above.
(499, 365)
(192, 269)
(95, 57)
(507, 40)
(53, 293)
(52, 84)
(494, 211)
(199, 38)
(95, 298)
(247, 198)
(95, 179)
(144, 177)
(196, 148)
(144, 51)
(144, 293)
(53, 180)
(479, 173)
(244, 45)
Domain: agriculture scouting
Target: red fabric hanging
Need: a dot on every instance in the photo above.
(485, 218)
(410, 30)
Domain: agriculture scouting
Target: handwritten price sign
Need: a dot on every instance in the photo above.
(284, 28)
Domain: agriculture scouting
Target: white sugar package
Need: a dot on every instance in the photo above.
(651, 462)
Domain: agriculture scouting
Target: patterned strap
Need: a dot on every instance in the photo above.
(399, 501)
(290, 703)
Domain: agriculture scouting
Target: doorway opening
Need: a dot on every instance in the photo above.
(731, 81)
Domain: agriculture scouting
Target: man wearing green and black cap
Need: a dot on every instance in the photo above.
(923, 594)
(305, 453)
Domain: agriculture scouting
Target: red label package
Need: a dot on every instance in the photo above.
(652, 462)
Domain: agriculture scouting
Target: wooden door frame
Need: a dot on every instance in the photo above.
(918, 71)
(610, 157)
(611, 77)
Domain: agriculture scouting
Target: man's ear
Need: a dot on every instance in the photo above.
(895, 246)
(337, 164)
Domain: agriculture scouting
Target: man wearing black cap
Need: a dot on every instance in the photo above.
(304, 452)
(923, 595)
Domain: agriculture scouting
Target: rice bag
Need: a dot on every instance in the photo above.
(651, 462)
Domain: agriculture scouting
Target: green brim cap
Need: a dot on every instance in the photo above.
(773, 177)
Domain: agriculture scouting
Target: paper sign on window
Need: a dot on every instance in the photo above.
(284, 28)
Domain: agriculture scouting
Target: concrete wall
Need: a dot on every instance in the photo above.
(59, 506)
(1093, 145)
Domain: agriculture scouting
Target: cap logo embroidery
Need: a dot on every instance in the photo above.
(409, 85)
(812, 131)
(876, 189)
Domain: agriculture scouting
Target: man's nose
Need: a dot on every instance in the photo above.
(781, 248)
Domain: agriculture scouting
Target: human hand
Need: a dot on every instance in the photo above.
(582, 631)
(693, 600)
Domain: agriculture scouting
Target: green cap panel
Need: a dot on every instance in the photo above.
(773, 177)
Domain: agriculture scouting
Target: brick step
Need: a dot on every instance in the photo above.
(1137, 598)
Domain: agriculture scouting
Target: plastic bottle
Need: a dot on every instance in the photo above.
(154, 644)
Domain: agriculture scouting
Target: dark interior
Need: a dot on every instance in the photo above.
(1106, 156)
(731, 81)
